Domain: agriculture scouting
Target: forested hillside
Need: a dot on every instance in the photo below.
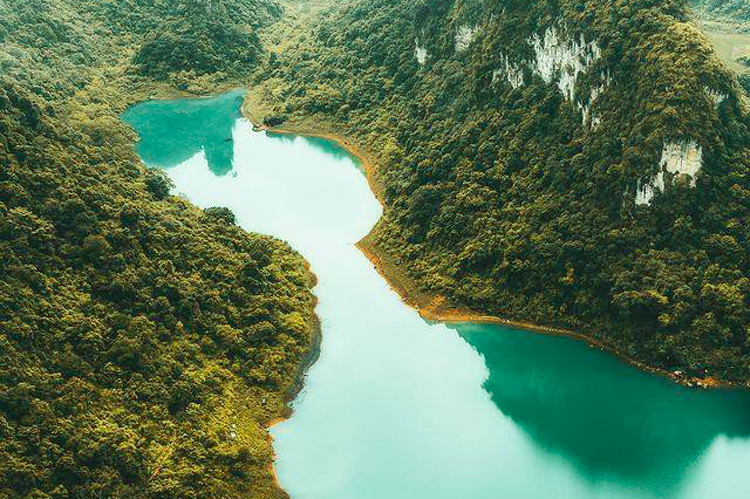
(173, 40)
(144, 343)
(576, 163)
(197, 37)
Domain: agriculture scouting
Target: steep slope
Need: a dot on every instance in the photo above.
(173, 40)
(196, 37)
(571, 163)
(144, 343)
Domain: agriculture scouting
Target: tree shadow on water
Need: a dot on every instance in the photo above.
(173, 131)
(327, 146)
(608, 419)
(282, 137)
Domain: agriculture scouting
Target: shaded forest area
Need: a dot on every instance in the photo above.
(144, 343)
(512, 180)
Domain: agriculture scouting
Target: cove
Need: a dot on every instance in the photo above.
(397, 407)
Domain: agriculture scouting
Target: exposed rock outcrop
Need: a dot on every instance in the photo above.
(678, 159)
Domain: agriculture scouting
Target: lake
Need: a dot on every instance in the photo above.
(397, 407)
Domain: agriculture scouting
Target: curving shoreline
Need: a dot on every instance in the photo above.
(436, 308)
(298, 384)
(431, 307)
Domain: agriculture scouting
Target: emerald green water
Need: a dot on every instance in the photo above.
(400, 408)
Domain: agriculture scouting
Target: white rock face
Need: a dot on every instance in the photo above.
(589, 117)
(644, 193)
(465, 35)
(566, 59)
(685, 157)
(510, 72)
(715, 96)
(420, 53)
(561, 60)
(677, 158)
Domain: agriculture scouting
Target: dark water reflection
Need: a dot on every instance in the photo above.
(399, 408)
(326, 146)
(169, 135)
(607, 417)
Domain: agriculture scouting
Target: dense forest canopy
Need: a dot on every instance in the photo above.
(144, 343)
(199, 36)
(577, 163)
(174, 40)
(574, 163)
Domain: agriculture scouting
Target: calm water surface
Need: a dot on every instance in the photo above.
(400, 408)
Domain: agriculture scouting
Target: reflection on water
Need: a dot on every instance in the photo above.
(398, 408)
(169, 135)
(282, 137)
(608, 418)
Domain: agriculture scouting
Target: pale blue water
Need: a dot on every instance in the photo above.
(400, 408)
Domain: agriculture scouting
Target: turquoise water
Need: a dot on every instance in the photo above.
(400, 408)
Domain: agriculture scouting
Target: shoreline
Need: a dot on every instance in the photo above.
(272, 465)
(434, 308)
(348, 145)
(298, 383)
